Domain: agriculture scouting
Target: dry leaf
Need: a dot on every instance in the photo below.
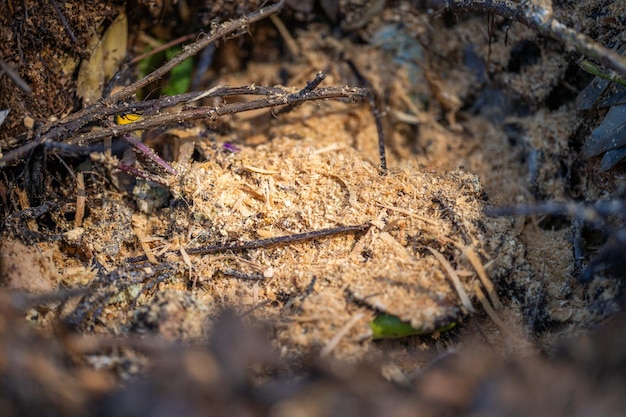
(108, 53)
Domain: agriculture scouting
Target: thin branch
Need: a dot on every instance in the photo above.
(215, 112)
(310, 86)
(374, 98)
(64, 129)
(64, 22)
(590, 213)
(378, 119)
(165, 46)
(192, 49)
(147, 152)
(264, 243)
(538, 14)
(15, 77)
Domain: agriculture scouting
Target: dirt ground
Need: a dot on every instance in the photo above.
(254, 274)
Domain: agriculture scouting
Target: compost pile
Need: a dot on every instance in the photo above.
(198, 216)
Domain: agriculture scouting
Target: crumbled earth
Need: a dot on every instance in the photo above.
(147, 301)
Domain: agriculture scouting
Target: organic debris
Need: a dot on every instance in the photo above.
(149, 239)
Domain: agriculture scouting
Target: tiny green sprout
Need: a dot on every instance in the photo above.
(594, 70)
(387, 326)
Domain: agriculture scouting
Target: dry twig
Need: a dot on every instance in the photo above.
(538, 14)
(279, 98)
(239, 246)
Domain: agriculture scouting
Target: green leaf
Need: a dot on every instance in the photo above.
(387, 326)
(180, 76)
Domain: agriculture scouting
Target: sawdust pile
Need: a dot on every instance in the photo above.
(419, 256)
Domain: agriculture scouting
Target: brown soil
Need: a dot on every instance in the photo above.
(119, 310)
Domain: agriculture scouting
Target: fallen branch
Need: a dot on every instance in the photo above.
(239, 246)
(596, 213)
(214, 112)
(538, 15)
